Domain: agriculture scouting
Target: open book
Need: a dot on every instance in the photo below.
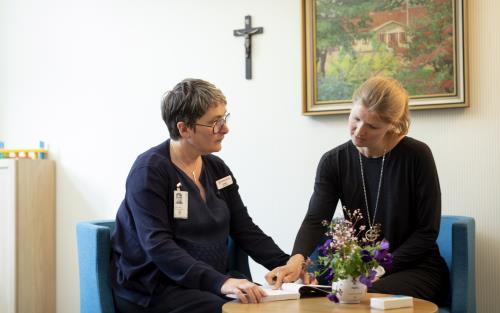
(292, 291)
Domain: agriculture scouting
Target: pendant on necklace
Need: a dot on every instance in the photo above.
(371, 234)
(194, 175)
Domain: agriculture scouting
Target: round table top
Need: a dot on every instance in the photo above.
(321, 304)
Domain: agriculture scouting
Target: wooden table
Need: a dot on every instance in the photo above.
(318, 305)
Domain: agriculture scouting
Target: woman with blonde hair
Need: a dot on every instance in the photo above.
(392, 179)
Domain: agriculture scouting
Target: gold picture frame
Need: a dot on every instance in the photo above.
(421, 43)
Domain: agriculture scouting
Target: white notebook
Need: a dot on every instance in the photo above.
(292, 291)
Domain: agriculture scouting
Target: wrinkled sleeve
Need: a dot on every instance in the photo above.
(427, 195)
(321, 206)
(248, 235)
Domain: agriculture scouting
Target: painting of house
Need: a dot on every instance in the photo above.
(412, 42)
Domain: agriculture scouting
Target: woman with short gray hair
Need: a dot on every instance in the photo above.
(169, 249)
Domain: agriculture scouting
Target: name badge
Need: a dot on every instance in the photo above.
(180, 204)
(224, 182)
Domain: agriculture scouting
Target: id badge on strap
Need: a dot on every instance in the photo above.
(180, 203)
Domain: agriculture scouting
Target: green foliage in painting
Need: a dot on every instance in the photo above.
(350, 49)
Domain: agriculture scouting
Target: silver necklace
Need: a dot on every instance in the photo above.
(372, 232)
(194, 169)
(185, 165)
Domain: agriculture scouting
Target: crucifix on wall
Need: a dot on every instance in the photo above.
(247, 32)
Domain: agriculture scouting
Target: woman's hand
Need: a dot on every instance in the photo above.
(246, 291)
(287, 273)
(308, 278)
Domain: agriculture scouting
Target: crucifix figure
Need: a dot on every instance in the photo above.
(248, 31)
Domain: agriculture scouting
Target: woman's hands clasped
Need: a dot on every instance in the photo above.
(246, 291)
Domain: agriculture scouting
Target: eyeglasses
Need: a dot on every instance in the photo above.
(217, 125)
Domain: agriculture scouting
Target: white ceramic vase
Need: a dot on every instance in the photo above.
(349, 290)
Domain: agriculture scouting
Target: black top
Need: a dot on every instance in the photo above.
(152, 250)
(409, 208)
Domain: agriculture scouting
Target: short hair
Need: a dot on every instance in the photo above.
(389, 99)
(187, 102)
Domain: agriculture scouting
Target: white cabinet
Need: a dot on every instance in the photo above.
(27, 236)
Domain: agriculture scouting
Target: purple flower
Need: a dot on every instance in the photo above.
(387, 262)
(372, 273)
(380, 255)
(325, 247)
(384, 258)
(367, 280)
(384, 245)
(366, 256)
(329, 275)
(332, 297)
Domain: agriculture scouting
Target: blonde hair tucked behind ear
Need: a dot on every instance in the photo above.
(386, 97)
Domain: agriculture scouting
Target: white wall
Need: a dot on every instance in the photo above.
(86, 76)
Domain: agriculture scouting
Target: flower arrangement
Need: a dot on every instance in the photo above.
(345, 255)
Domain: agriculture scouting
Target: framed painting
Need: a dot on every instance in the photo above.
(421, 43)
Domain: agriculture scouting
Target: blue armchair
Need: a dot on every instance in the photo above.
(456, 243)
(93, 240)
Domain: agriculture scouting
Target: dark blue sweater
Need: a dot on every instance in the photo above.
(151, 250)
